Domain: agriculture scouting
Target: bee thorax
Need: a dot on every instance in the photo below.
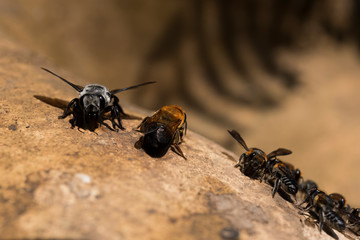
(97, 89)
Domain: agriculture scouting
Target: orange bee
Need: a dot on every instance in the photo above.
(163, 130)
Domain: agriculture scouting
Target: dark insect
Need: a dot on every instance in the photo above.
(251, 163)
(254, 161)
(353, 221)
(321, 207)
(295, 172)
(306, 189)
(278, 173)
(93, 103)
(163, 130)
(340, 206)
(350, 215)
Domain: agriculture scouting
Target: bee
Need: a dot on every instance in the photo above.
(93, 103)
(322, 208)
(350, 215)
(307, 188)
(295, 172)
(353, 222)
(278, 174)
(340, 205)
(163, 130)
(253, 162)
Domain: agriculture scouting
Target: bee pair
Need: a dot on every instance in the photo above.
(255, 164)
(350, 215)
(163, 130)
(321, 207)
(330, 211)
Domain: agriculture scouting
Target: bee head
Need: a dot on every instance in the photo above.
(92, 104)
(255, 154)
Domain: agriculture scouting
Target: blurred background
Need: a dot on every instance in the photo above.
(284, 73)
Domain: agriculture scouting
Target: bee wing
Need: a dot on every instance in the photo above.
(279, 152)
(115, 91)
(185, 123)
(285, 170)
(238, 138)
(77, 87)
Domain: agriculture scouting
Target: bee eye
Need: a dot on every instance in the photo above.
(252, 155)
(102, 102)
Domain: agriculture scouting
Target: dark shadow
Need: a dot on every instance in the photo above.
(55, 102)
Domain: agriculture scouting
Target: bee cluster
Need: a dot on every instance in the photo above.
(328, 211)
(165, 129)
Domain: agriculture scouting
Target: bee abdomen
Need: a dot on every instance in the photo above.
(335, 220)
(290, 185)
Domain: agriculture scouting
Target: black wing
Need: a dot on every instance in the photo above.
(238, 138)
(77, 87)
(279, 152)
(115, 91)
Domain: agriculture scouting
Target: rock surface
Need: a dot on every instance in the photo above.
(58, 182)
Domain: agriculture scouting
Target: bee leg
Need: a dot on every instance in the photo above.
(185, 124)
(178, 150)
(115, 115)
(101, 120)
(138, 128)
(321, 219)
(238, 164)
(306, 200)
(107, 125)
(276, 187)
(74, 103)
(178, 137)
(263, 177)
(175, 146)
(119, 108)
(72, 122)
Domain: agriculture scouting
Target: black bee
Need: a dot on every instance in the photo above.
(353, 221)
(278, 174)
(350, 215)
(338, 200)
(93, 103)
(254, 161)
(163, 130)
(307, 188)
(251, 163)
(340, 206)
(295, 172)
(321, 206)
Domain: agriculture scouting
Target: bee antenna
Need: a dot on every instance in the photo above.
(238, 138)
(77, 87)
(115, 91)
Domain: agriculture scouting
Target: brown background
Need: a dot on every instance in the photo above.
(283, 73)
